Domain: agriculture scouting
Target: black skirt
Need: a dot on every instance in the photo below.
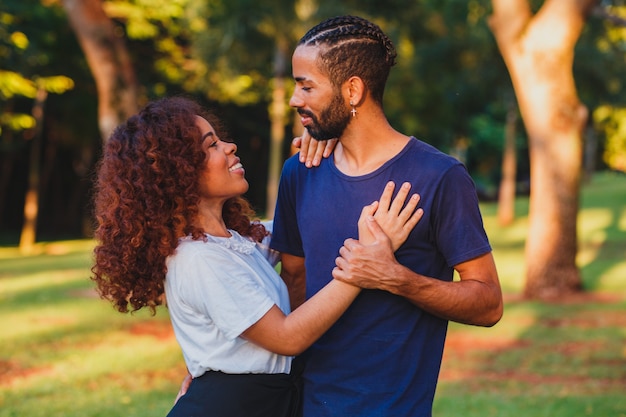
(216, 394)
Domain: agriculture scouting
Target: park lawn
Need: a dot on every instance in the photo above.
(64, 352)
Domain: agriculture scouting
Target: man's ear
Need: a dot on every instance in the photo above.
(354, 89)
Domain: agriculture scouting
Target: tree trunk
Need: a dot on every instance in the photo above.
(591, 150)
(109, 61)
(278, 118)
(506, 194)
(539, 53)
(31, 201)
(7, 161)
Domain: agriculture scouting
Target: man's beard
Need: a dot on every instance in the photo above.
(332, 122)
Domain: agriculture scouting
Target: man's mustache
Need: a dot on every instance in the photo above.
(302, 112)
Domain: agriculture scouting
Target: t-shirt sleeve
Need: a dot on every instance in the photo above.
(286, 233)
(458, 224)
(224, 292)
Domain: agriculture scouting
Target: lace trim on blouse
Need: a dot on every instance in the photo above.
(235, 242)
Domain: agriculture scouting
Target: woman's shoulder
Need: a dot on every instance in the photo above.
(189, 248)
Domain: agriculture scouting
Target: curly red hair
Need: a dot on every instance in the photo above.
(146, 198)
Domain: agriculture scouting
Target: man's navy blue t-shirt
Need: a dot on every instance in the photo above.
(382, 357)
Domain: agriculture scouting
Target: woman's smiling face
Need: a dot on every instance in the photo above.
(223, 175)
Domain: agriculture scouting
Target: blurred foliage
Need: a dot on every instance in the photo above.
(450, 87)
(37, 43)
(38, 50)
(613, 121)
(12, 84)
(160, 37)
(601, 65)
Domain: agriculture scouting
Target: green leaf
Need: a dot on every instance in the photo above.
(12, 83)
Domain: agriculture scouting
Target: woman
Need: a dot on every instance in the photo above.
(171, 220)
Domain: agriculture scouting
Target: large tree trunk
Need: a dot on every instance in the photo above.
(539, 53)
(108, 60)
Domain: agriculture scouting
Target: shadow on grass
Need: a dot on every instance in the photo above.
(559, 359)
(51, 256)
(606, 196)
(554, 360)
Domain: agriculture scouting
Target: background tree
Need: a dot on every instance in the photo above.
(507, 189)
(109, 61)
(25, 82)
(43, 86)
(538, 49)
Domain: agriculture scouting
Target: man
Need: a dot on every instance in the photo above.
(382, 358)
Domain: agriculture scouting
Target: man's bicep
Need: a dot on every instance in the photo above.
(481, 268)
(488, 295)
(293, 272)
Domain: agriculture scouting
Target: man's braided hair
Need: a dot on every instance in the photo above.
(353, 46)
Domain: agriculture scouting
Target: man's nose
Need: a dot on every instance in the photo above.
(295, 101)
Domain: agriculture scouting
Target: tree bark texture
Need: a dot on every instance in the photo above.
(538, 51)
(109, 62)
(506, 195)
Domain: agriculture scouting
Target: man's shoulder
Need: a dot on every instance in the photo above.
(294, 170)
(293, 162)
(428, 155)
(422, 147)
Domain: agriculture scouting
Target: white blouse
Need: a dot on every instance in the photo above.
(216, 290)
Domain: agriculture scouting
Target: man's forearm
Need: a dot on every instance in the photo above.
(476, 299)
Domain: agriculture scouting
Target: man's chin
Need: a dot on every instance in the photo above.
(319, 136)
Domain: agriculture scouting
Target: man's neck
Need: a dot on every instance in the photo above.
(364, 150)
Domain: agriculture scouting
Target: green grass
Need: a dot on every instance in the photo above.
(64, 352)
